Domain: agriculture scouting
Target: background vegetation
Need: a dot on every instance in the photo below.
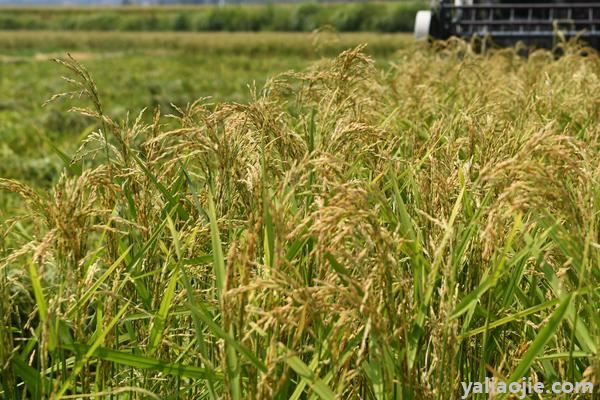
(293, 215)
(344, 17)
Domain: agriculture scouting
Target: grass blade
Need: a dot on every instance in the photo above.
(199, 311)
(217, 249)
(541, 339)
(145, 363)
(158, 324)
(307, 375)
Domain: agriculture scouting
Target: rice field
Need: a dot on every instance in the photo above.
(358, 228)
(140, 70)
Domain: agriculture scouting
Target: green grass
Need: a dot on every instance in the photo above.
(363, 16)
(356, 229)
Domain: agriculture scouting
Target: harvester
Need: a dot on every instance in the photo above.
(535, 23)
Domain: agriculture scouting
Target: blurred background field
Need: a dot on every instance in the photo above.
(135, 70)
(305, 17)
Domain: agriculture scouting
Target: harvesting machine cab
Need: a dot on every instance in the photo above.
(536, 23)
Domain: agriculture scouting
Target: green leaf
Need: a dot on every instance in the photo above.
(303, 383)
(146, 363)
(158, 324)
(511, 318)
(567, 355)
(90, 292)
(541, 339)
(470, 300)
(217, 249)
(307, 375)
(74, 169)
(38, 293)
(373, 371)
(490, 281)
(198, 260)
(343, 273)
(175, 236)
(199, 311)
(97, 341)
(172, 199)
(30, 376)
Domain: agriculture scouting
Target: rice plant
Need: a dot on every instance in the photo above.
(350, 232)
